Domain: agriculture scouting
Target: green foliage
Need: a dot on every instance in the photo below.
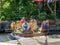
(42, 15)
(53, 16)
(15, 9)
(58, 10)
(1, 18)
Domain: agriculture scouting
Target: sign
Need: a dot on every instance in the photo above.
(38, 0)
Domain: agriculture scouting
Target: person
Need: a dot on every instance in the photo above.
(47, 22)
(39, 23)
(45, 26)
(22, 21)
(26, 26)
(13, 25)
(33, 25)
(18, 24)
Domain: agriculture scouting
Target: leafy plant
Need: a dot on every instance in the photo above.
(42, 15)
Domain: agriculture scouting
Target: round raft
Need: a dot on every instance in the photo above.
(30, 31)
(30, 35)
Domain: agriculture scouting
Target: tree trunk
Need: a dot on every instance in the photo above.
(49, 8)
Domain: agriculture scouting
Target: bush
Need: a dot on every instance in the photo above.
(42, 15)
(53, 16)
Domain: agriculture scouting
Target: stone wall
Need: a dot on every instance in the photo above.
(57, 24)
(54, 24)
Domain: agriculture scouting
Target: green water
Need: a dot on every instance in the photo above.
(4, 38)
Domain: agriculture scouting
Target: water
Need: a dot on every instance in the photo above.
(4, 37)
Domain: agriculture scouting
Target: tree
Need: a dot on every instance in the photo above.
(15, 9)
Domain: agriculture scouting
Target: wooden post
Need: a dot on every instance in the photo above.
(38, 9)
(46, 41)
